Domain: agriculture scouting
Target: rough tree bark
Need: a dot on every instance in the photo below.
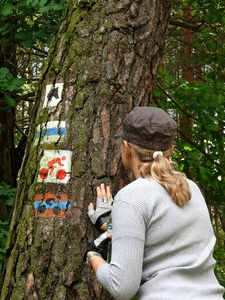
(104, 60)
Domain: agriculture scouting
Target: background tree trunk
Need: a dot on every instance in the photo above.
(186, 123)
(8, 172)
(7, 113)
(188, 73)
(104, 59)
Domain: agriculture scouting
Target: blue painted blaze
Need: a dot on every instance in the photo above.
(52, 131)
(51, 204)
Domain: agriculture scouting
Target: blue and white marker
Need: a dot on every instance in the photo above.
(51, 132)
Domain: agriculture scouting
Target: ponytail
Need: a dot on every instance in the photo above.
(163, 171)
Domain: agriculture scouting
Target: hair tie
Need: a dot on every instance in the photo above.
(156, 153)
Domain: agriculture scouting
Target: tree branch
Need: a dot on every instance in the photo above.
(20, 130)
(175, 103)
(185, 24)
(40, 50)
(200, 149)
(192, 142)
(25, 97)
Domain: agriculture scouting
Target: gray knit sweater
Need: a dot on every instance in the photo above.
(159, 250)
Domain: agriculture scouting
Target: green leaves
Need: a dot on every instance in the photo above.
(46, 5)
(6, 28)
(4, 229)
(26, 23)
(7, 7)
(199, 106)
(32, 21)
(7, 195)
(9, 85)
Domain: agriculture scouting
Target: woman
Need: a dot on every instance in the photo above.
(162, 241)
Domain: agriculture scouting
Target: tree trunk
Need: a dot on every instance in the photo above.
(186, 122)
(188, 73)
(101, 64)
(7, 113)
(7, 162)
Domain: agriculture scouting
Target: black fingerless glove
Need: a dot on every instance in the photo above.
(100, 245)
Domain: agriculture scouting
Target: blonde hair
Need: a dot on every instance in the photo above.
(163, 171)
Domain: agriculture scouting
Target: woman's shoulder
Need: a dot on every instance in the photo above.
(140, 190)
(141, 183)
(193, 186)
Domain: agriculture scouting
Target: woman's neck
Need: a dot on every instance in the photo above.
(135, 169)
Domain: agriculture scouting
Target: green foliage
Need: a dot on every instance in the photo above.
(202, 156)
(9, 85)
(199, 147)
(35, 20)
(7, 195)
(17, 138)
(4, 229)
(28, 26)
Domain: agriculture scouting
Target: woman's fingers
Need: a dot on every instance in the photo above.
(104, 193)
(108, 193)
(90, 206)
(99, 192)
(102, 187)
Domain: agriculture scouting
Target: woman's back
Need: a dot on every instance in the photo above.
(162, 241)
(178, 243)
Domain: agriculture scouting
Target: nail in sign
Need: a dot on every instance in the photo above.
(55, 166)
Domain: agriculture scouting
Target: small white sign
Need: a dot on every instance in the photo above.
(53, 94)
(50, 132)
(55, 166)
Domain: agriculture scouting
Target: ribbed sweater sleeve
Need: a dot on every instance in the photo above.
(122, 276)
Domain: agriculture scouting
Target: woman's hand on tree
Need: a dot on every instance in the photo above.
(99, 217)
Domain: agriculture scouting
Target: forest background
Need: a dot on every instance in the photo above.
(190, 86)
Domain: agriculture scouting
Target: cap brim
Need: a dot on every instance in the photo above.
(119, 134)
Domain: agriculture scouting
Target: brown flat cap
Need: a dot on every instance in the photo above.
(149, 127)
